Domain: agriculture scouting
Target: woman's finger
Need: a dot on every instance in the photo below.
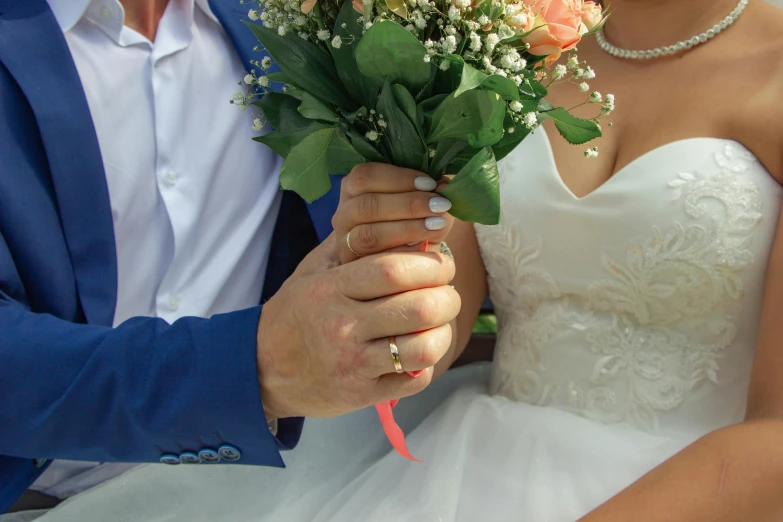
(376, 207)
(383, 178)
(373, 238)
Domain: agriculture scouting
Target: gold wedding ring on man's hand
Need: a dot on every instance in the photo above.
(395, 353)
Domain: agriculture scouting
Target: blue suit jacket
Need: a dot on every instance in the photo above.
(71, 386)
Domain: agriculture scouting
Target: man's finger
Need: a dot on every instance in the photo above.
(407, 313)
(417, 351)
(386, 274)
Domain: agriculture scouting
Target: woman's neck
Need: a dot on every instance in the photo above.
(646, 24)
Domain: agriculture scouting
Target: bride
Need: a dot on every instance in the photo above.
(637, 373)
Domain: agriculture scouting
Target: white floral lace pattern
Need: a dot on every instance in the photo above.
(656, 327)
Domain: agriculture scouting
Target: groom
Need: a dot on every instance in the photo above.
(132, 202)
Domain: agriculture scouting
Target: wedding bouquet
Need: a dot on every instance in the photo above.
(446, 87)
(440, 86)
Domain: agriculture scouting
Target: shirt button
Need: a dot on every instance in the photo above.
(170, 178)
(173, 303)
(106, 11)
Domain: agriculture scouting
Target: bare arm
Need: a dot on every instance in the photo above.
(735, 473)
(470, 282)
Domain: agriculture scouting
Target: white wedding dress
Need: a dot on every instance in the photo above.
(627, 323)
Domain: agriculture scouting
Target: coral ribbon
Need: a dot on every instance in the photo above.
(393, 431)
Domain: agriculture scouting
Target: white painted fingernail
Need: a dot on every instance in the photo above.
(435, 223)
(439, 205)
(425, 183)
(414, 243)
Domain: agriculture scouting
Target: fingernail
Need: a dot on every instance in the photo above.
(413, 244)
(435, 223)
(425, 183)
(439, 205)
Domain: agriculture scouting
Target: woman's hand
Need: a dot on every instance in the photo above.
(383, 207)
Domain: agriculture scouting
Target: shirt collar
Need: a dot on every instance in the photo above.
(69, 12)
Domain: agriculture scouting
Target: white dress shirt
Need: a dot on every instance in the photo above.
(194, 200)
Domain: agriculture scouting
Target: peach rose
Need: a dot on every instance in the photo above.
(358, 6)
(558, 26)
(592, 15)
(308, 5)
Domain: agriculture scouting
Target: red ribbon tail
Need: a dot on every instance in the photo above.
(392, 430)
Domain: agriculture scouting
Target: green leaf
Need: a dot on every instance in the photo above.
(281, 111)
(314, 109)
(348, 26)
(307, 168)
(475, 190)
(445, 153)
(306, 64)
(280, 77)
(492, 8)
(575, 130)
(510, 140)
(472, 78)
(389, 52)
(407, 105)
(401, 139)
(485, 324)
(430, 105)
(476, 117)
(544, 106)
(533, 88)
(365, 148)
(282, 142)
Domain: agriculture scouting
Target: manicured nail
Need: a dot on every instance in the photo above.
(439, 205)
(425, 183)
(435, 223)
(413, 244)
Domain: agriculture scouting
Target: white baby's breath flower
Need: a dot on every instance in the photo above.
(559, 72)
(420, 23)
(515, 106)
(252, 14)
(579, 72)
(323, 35)
(281, 30)
(444, 65)
(572, 63)
(449, 44)
(584, 87)
(491, 42)
(382, 124)
(463, 4)
(238, 96)
(511, 130)
(589, 73)
(484, 20)
(372, 135)
(263, 81)
(475, 42)
(266, 62)
(591, 153)
(530, 120)
(595, 97)
(454, 14)
(337, 42)
(249, 79)
(257, 124)
(427, 58)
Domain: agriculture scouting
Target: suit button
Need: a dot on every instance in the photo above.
(170, 459)
(209, 456)
(188, 457)
(229, 453)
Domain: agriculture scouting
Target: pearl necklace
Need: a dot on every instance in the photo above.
(679, 47)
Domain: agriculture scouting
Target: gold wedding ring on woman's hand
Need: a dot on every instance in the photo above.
(348, 242)
(395, 353)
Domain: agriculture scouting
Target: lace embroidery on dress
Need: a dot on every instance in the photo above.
(657, 326)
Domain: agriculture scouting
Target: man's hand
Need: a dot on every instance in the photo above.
(323, 347)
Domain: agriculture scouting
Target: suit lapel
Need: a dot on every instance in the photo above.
(231, 13)
(33, 49)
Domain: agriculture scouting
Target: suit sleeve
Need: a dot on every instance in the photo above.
(134, 392)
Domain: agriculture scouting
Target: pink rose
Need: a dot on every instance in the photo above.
(308, 5)
(592, 15)
(558, 26)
